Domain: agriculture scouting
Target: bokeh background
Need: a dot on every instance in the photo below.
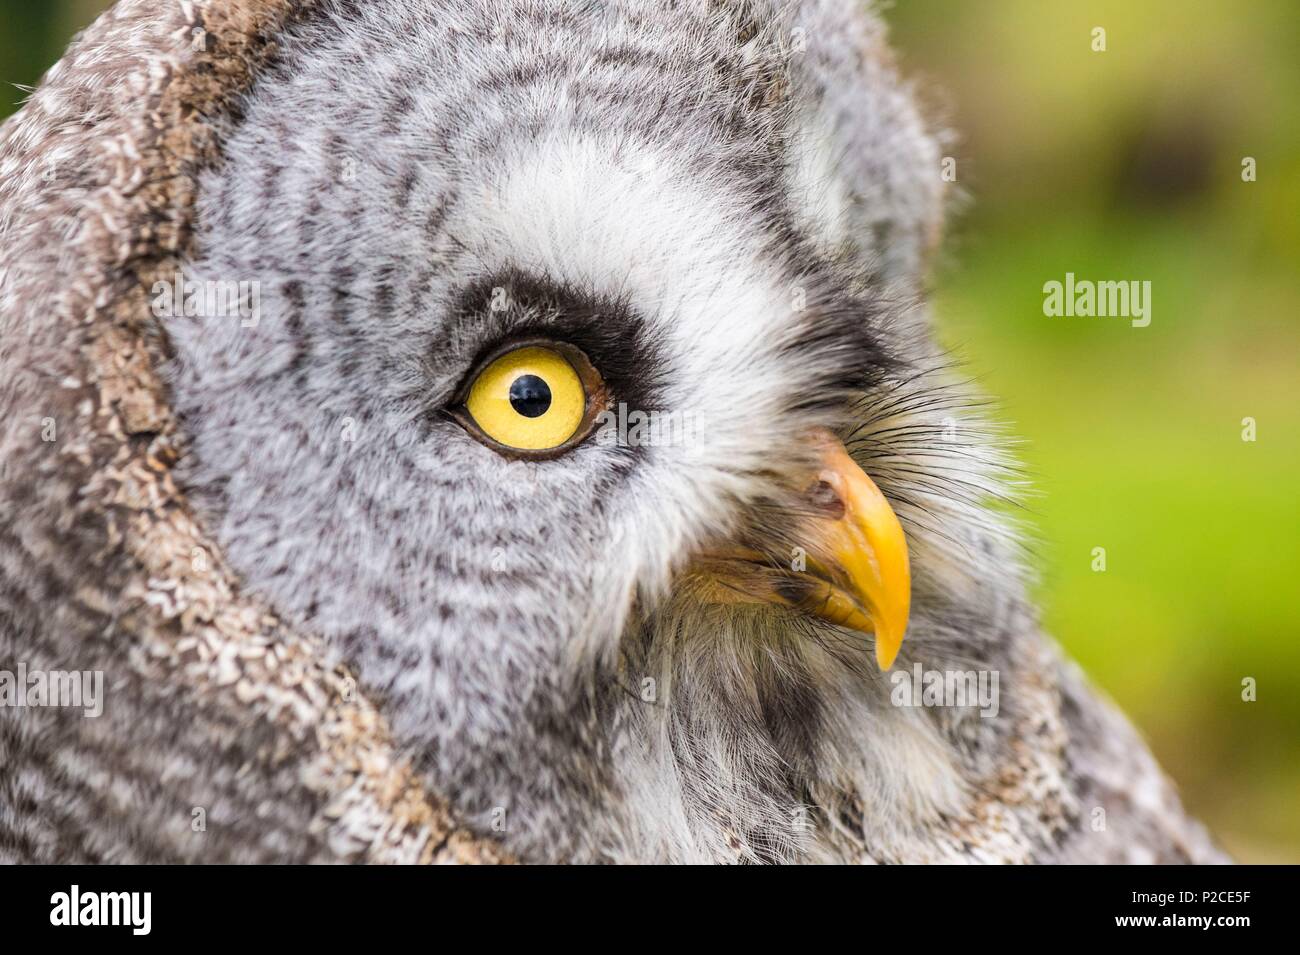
(1123, 164)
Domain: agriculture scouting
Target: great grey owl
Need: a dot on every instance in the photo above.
(575, 389)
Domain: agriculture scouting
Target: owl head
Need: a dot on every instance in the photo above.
(579, 376)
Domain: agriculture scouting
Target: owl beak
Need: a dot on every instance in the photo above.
(867, 583)
(854, 570)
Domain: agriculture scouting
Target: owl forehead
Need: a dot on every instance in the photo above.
(624, 221)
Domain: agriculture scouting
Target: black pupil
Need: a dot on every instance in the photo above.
(530, 396)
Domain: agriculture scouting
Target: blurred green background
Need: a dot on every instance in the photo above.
(1123, 164)
(1126, 164)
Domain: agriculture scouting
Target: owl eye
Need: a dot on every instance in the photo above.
(534, 399)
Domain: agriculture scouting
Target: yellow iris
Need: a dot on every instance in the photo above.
(530, 398)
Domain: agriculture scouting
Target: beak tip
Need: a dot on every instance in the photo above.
(887, 652)
(889, 630)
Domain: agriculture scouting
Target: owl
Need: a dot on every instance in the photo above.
(523, 418)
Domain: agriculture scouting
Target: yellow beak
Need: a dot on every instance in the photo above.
(856, 572)
(867, 546)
